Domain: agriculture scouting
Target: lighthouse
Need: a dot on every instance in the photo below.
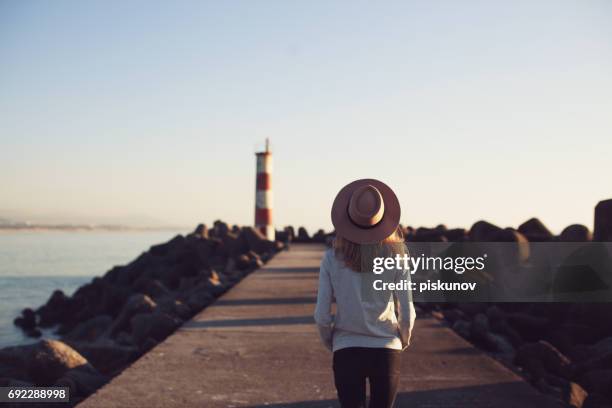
(263, 193)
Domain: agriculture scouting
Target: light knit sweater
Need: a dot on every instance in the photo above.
(361, 321)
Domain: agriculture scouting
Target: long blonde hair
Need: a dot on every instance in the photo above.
(358, 257)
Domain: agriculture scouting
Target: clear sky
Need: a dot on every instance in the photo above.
(497, 110)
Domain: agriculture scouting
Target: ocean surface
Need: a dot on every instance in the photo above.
(35, 263)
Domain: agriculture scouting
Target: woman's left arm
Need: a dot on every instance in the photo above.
(322, 315)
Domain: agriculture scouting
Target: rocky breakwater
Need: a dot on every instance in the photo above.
(563, 348)
(111, 321)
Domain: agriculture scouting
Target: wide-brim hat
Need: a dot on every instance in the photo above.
(365, 211)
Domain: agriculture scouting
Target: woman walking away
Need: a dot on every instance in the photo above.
(370, 328)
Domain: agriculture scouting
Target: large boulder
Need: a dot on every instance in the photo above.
(575, 233)
(167, 247)
(541, 358)
(603, 221)
(479, 328)
(201, 231)
(456, 235)
(51, 359)
(107, 356)
(153, 325)
(483, 231)
(153, 288)
(302, 235)
(90, 330)
(535, 230)
(136, 304)
(81, 382)
(598, 382)
(13, 362)
(423, 234)
(220, 228)
(27, 320)
(257, 242)
(54, 310)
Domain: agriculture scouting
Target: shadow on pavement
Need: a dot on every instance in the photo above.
(518, 394)
(273, 321)
(266, 301)
(284, 269)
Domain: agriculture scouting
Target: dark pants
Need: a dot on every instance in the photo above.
(354, 364)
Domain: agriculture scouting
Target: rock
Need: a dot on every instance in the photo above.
(257, 242)
(220, 229)
(201, 231)
(483, 231)
(255, 260)
(148, 344)
(499, 344)
(81, 382)
(429, 235)
(596, 401)
(51, 359)
(198, 300)
(594, 358)
(93, 299)
(154, 325)
(508, 255)
(166, 247)
(572, 394)
(319, 237)
(582, 275)
(11, 382)
(452, 315)
(27, 321)
(603, 221)
(541, 358)
(236, 244)
(136, 304)
(456, 235)
(243, 262)
(499, 325)
(463, 328)
(302, 235)
(175, 307)
(151, 287)
(472, 309)
(286, 235)
(530, 327)
(54, 310)
(598, 382)
(535, 230)
(576, 233)
(124, 339)
(588, 318)
(91, 329)
(107, 357)
(13, 362)
(479, 328)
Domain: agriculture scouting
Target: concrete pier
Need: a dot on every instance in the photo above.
(258, 346)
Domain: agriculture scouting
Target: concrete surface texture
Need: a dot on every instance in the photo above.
(258, 346)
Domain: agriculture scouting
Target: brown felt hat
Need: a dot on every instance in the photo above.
(365, 211)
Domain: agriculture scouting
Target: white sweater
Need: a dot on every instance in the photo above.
(375, 321)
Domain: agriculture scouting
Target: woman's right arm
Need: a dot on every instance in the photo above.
(322, 315)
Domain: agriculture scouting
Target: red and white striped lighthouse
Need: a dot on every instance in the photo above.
(263, 193)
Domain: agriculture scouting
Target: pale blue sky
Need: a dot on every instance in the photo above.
(473, 109)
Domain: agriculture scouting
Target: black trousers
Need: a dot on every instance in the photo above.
(381, 366)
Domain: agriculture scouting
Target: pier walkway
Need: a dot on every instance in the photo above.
(258, 346)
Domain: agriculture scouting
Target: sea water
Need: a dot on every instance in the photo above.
(35, 263)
